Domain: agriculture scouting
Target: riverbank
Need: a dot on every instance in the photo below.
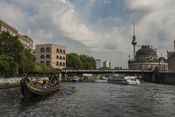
(14, 82)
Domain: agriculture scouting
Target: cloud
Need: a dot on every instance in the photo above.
(99, 28)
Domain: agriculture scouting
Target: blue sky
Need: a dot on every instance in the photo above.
(99, 28)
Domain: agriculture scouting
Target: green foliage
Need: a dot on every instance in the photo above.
(75, 61)
(41, 68)
(11, 46)
(14, 57)
(7, 66)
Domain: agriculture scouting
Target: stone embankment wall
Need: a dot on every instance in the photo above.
(14, 82)
(162, 78)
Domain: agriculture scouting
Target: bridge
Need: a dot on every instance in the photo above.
(67, 74)
(146, 75)
(106, 71)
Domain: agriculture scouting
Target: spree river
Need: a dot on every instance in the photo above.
(93, 100)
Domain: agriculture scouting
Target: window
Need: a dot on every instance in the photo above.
(47, 49)
(60, 57)
(42, 62)
(60, 63)
(47, 62)
(42, 57)
(63, 51)
(57, 57)
(47, 56)
(63, 58)
(58, 51)
(63, 64)
(57, 64)
(42, 50)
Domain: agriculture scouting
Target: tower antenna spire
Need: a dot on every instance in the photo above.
(133, 28)
(134, 42)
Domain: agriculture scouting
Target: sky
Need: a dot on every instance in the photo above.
(98, 28)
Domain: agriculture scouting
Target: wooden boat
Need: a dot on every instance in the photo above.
(31, 89)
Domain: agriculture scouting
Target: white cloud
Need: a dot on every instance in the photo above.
(60, 21)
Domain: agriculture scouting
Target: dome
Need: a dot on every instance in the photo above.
(146, 51)
(162, 59)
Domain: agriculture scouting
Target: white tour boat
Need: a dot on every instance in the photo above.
(125, 80)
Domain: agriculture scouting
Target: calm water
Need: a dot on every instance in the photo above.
(94, 100)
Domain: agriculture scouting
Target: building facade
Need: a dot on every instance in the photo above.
(98, 63)
(107, 64)
(4, 27)
(51, 54)
(146, 59)
(171, 61)
(26, 41)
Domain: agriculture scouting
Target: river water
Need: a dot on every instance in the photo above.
(93, 100)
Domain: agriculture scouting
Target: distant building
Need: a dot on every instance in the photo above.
(4, 27)
(171, 61)
(106, 64)
(51, 54)
(98, 63)
(146, 58)
(26, 41)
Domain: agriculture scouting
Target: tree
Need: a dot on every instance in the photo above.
(8, 66)
(12, 52)
(75, 61)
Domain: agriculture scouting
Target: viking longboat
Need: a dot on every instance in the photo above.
(31, 89)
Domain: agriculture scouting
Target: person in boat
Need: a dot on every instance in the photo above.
(26, 77)
(53, 80)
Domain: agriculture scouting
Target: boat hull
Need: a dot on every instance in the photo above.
(124, 81)
(29, 91)
(101, 81)
(118, 81)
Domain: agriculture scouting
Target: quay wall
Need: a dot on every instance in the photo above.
(14, 82)
(161, 78)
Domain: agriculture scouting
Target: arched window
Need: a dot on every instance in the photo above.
(57, 64)
(60, 63)
(63, 64)
(42, 50)
(60, 57)
(42, 62)
(63, 58)
(58, 51)
(63, 51)
(48, 56)
(47, 49)
(47, 62)
(42, 57)
(57, 57)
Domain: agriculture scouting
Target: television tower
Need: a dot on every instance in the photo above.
(134, 42)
